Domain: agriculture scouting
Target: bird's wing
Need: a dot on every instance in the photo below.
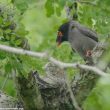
(84, 30)
(88, 32)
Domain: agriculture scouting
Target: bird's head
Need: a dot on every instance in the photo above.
(62, 34)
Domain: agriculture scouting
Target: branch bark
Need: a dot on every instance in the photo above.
(7, 101)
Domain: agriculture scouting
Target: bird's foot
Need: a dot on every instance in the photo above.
(88, 53)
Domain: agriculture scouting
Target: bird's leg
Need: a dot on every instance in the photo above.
(89, 60)
(88, 53)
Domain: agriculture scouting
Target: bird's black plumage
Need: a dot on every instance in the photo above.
(81, 38)
(64, 30)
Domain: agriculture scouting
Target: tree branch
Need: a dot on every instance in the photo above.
(8, 103)
(51, 59)
(76, 65)
(22, 51)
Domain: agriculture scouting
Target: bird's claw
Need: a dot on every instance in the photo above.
(88, 53)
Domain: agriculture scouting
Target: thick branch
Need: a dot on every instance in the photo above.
(8, 102)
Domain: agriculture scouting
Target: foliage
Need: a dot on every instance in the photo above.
(37, 21)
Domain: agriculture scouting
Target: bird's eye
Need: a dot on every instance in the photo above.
(60, 34)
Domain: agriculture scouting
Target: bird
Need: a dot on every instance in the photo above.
(81, 38)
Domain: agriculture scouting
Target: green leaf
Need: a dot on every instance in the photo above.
(49, 5)
(2, 55)
(7, 31)
(1, 32)
(62, 3)
(12, 1)
(8, 23)
(21, 31)
(58, 11)
(70, 2)
(22, 5)
(1, 20)
(7, 37)
(18, 42)
(13, 37)
(17, 64)
(8, 68)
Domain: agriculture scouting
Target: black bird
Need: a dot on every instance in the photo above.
(81, 39)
